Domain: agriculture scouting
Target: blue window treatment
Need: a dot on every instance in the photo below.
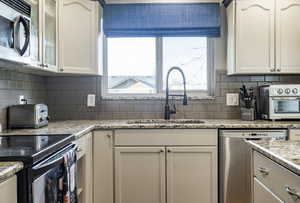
(162, 19)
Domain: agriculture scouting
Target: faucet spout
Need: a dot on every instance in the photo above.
(168, 111)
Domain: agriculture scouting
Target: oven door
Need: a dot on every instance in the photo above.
(14, 35)
(49, 178)
(284, 108)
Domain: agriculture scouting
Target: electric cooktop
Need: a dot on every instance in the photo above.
(31, 149)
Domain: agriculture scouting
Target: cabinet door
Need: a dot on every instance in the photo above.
(50, 34)
(288, 36)
(79, 36)
(192, 175)
(8, 190)
(255, 31)
(261, 194)
(103, 167)
(35, 35)
(140, 175)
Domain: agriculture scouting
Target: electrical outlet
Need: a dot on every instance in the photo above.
(232, 99)
(21, 99)
(91, 100)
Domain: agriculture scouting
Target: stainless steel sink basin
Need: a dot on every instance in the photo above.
(174, 121)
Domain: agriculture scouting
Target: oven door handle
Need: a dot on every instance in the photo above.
(51, 163)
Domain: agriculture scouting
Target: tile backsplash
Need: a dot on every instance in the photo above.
(67, 97)
(13, 84)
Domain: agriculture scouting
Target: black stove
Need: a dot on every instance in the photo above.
(31, 149)
(43, 158)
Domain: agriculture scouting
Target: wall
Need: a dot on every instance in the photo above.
(67, 99)
(13, 84)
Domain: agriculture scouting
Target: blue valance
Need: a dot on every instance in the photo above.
(162, 19)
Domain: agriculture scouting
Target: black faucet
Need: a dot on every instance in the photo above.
(168, 109)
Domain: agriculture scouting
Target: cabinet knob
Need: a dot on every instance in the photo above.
(169, 151)
(108, 135)
(78, 149)
(62, 70)
(161, 151)
(263, 171)
(278, 70)
(292, 191)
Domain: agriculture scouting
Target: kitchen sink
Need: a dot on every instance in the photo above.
(161, 121)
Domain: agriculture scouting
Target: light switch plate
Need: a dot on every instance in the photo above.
(91, 100)
(232, 99)
(21, 99)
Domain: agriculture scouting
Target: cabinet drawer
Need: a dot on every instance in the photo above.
(81, 145)
(278, 179)
(158, 137)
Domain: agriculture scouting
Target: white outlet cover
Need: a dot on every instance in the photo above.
(21, 98)
(232, 99)
(91, 100)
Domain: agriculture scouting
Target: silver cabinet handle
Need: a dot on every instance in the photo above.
(263, 170)
(292, 191)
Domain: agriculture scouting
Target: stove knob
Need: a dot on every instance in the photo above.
(295, 91)
(280, 91)
(287, 91)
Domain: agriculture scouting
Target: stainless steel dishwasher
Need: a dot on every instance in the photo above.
(235, 162)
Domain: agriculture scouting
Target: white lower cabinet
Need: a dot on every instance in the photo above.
(140, 174)
(84, 171)
(103, 167)
(8, 190)
(179, 170)
(261, 194)
(273, 183)
(192, 174)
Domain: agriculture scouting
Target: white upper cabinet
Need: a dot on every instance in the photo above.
(49, 31)
(263, 37)
(79, 36)
(288, 36)
(255, 36)
(251, 37)
(44, 35)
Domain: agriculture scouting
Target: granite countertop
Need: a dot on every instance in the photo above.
(286, 153)
(9, 169)
(81, 127)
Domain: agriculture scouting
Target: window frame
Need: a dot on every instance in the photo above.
(160, 92)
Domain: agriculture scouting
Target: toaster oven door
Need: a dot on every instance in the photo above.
(285, 108)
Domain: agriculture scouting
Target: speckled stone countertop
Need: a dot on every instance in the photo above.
(81, 127)
(286, 153)
(9, 169)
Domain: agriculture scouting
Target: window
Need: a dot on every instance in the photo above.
(138, 66)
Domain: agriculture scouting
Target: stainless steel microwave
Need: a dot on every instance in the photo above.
(279, 102)
(15, 31)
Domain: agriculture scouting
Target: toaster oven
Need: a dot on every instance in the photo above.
(279, 102)
(28, 116)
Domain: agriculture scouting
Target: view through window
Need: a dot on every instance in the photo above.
(140, 65)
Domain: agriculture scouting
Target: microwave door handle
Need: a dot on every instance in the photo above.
(21, 20)
(285, 98)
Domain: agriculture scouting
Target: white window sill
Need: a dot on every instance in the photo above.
(155, 98)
